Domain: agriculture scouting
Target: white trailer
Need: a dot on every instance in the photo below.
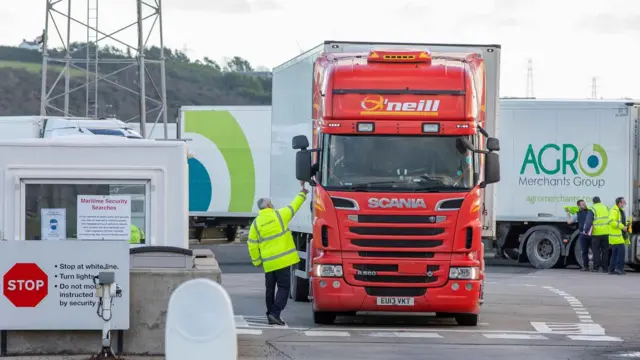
(555, 152)
(230, 162)
(43, 179)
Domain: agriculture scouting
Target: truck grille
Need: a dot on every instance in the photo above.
(396, 254)
(396, 243)
(408, 252)
(397, 231)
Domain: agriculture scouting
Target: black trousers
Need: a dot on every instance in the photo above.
(600, 244)
(276, 301)
(585, 245)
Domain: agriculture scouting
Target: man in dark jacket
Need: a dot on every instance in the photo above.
(584, 218)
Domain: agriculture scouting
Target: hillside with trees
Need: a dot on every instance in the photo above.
(189, 82)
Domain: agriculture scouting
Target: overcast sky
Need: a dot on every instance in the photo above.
(570, 41)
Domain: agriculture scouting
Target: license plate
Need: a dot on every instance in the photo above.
(395, 301)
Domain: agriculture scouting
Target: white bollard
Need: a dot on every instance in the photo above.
(200, 323)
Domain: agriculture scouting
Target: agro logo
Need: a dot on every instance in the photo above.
(557, 165)
(591, 160)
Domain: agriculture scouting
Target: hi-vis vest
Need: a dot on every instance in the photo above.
(136, 235)
(615, 226)
(600, 220)
(270, 242)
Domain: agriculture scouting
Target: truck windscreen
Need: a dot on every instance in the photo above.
(396, 163)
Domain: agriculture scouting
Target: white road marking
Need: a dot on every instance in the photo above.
(568, 329)
(635, 354)
(594, 338)
(515, 336)
(578, 307)
(426, 335)
(326, 333)
(240, 321)
(248, 332)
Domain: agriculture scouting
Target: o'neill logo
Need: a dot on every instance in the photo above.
(378, 105)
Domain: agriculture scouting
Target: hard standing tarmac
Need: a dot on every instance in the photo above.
(528, 314)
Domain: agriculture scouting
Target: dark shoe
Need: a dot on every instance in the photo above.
(618, 272)
(595, 269)
(604, 271)
(611, 272)
(584, 269)
(275, 320)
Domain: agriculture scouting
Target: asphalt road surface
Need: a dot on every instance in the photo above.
(528, 314)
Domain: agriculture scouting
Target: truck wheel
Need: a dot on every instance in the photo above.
(299, 286)
(577, 254)
(544, 248)
(324, 318)
(467, 319)
(231, 232)
(635, 267)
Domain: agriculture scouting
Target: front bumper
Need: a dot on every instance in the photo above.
(335, 295)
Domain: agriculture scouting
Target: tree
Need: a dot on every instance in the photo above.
(238, 64)
(213, 64)
(188, 83)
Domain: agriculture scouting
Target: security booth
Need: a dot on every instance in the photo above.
(94, 188)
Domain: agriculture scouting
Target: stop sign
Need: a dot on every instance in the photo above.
(25, 285)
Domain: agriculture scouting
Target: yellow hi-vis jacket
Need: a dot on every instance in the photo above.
(270, 242)
(615, 227)
(136, 235)
(600, 220)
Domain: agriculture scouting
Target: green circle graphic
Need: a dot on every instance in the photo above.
(603, 154)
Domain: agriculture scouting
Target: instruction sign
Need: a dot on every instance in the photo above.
(53, 224)
(49, 285)
(104, 217)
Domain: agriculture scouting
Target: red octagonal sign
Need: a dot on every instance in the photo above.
(25, 285)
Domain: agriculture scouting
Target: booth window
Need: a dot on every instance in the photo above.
(45, 195)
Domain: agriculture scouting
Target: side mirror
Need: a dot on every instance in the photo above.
(491, 169)
(493, 144)
(303, 165)
(300, 142)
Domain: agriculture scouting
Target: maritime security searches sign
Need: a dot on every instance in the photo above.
(564, 165)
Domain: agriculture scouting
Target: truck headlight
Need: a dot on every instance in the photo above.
(327, 270)
(464, 273)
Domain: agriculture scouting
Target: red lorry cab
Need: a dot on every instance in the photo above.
(398, 167)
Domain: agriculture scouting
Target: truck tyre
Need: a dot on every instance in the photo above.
(467, 319)
(231, 232)
(299, 286)
(544, 247)
(635, 267)
(324, 318)
(577, 254)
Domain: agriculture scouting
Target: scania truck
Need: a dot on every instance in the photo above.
(401, 161)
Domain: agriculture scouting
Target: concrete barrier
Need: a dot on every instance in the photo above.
(150, 292)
